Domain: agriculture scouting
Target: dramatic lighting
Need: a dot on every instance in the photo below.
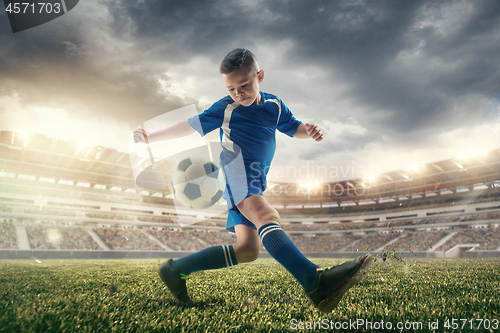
(416, 168)
(24, 136)
(82, 146)
(309, 185)
(370, 179)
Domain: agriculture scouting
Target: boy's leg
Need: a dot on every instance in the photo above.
(214, 257)
(256, 209)
(247, 246)
(324, 287)
(173, 272)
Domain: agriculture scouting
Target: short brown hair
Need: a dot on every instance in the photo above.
(236, 59)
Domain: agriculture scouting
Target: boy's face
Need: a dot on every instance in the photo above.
(243, 86)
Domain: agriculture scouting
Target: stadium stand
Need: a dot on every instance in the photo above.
(487, 237)
(60, 238)
(421, 240)
(126, 239)
(179, 240)
(323, 242)
(55, 191)
(372, 242)
(8, 238)
(215, 237)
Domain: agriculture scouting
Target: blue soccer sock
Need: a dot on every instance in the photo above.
(211, 258)
(281, 248)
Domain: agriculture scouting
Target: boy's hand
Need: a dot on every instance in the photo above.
(140, 135)
(314, 132)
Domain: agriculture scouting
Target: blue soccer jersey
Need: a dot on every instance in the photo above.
(247, 132)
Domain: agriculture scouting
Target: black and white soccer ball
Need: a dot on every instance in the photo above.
(198, 183)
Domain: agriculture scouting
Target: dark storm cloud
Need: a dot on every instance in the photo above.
(407, 64)
(360, 40)
(346, 142)
(74, 60)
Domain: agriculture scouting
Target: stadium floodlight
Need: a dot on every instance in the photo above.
(24, 136)
(417, 168)
(370, 179)
(309, 185)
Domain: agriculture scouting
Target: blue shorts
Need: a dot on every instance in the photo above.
(241, 182)
(234, 216)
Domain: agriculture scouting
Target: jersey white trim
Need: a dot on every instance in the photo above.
(226, 138)
(279, 108)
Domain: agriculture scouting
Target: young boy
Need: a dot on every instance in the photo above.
(248, 120)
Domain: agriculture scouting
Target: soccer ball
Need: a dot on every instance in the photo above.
(198, 183)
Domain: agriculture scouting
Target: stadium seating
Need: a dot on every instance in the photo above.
(44, 237)
(126, 239)
(8, 238)
(488, 238)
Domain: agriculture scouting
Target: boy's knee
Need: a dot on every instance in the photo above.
(252, 255)
(248, 252)
(270, 216)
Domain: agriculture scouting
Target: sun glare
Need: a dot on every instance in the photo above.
(309, 185)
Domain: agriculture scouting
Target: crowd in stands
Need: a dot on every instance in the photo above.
(323, 242)
(488, 238)
(328, 226)
(19, 201)
(406, 222)
(5, 209)
(157, 219)
(425, 204)
(372, 242)
(386, 224)
(39, 239)
(179, 240)
(49, 211)
(215, 238)
(8, 237)
(419, 240)
(76, 238)
(109, 216)
(213, 223)
(127, 239)
(483, 216)
(60, 238)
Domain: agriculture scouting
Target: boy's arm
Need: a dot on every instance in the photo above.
(178, 130)
(305, 131)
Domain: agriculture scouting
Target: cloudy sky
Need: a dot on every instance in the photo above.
(393, 84)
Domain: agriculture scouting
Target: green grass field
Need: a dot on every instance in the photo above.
(128, 296)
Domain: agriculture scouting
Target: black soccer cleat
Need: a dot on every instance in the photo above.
(334, 282)
(175, 281)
